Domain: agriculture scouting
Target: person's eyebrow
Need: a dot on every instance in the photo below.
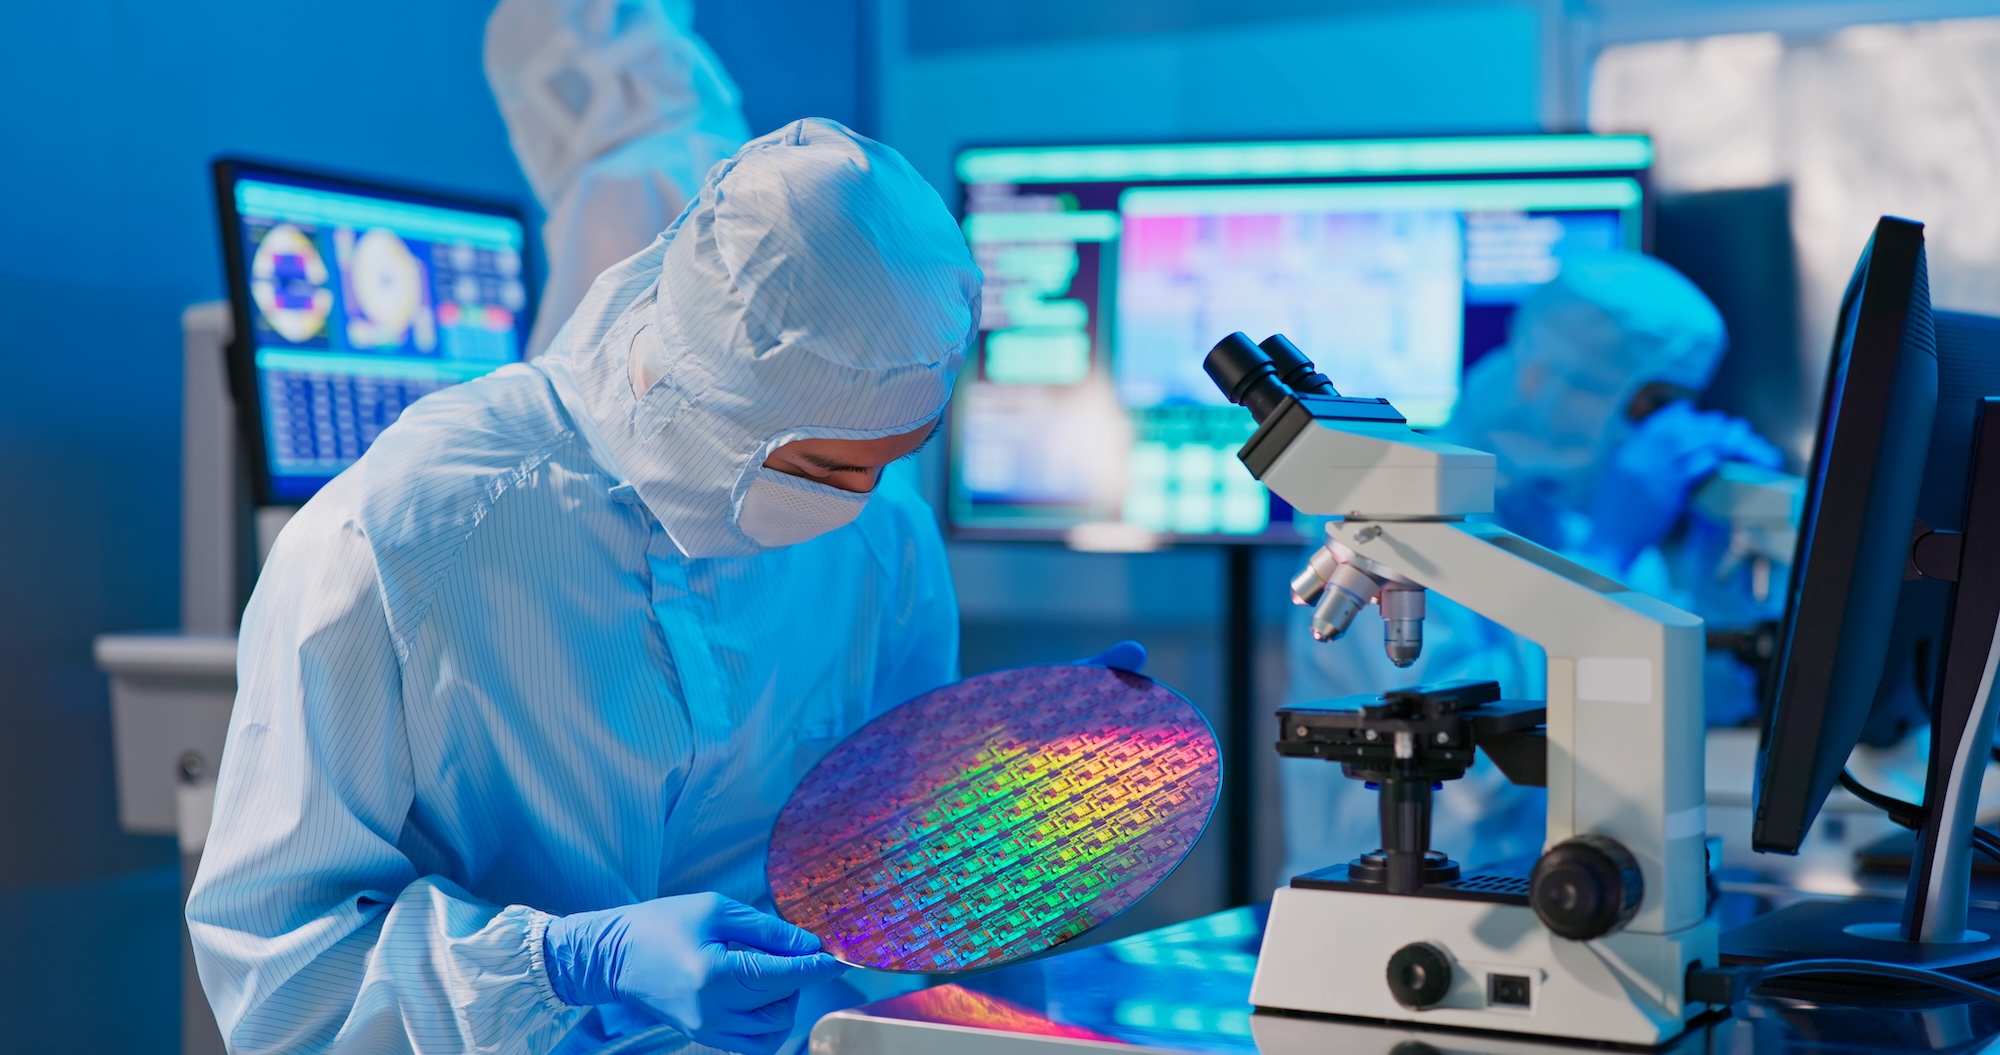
(828, 464)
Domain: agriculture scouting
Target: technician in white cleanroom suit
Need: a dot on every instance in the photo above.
(1586, 411)
(616, 109)
(522, 692)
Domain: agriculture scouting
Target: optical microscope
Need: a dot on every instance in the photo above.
(1761, 507)
(1596, 943)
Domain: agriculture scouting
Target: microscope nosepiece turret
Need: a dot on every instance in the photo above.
(1335, 582)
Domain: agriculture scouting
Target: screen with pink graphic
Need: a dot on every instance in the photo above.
(1111, 271)
(1376, 296)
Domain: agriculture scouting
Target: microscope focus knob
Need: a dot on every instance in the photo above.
(1419, 975)
(1586, 887)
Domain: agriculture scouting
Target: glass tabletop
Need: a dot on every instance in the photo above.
(1186, 988)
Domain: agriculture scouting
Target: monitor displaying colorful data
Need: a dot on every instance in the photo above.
(1111, 271)
(353, 301)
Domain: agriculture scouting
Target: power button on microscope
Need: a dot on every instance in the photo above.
(1419, 975)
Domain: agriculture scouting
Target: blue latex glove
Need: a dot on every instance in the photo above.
(1644, 490)
(719, 971)
(1128, 656)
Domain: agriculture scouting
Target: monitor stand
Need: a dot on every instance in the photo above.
(1861, 929)
(1935, 925)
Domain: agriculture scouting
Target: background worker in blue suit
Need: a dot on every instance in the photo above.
(616, 109)
(1587, 410)
(522, 692)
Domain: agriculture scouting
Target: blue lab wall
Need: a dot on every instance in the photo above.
(112, 111)
(1224, 69)
(106, 232)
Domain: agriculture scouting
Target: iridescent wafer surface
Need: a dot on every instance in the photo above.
(994, 818)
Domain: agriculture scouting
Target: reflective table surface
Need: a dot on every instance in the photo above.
(1186, 988)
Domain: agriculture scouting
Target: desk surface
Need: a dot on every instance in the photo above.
(1186, 988)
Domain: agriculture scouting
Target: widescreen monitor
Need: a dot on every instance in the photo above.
(351, 301)
(1861, 504)
(1111, 270)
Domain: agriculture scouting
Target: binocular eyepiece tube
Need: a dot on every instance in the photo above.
(1259, 377)
(1246, 375)
(1294, 369)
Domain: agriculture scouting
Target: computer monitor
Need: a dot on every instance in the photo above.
(1110, 269)
(1968, 355)
(1854, 533)
(1859, 540)
(351, 301)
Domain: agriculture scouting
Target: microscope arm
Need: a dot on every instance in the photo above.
(1624, 726)
(1615, 914)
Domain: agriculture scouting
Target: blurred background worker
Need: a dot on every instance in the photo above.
(1588, 410)
(616, 109)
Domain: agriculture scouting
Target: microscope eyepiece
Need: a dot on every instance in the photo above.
(1294, 369)
(1246, 375)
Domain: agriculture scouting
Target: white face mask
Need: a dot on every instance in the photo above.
(784, 510)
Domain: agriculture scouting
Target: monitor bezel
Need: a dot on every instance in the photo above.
(241, 353)
(1277, 533)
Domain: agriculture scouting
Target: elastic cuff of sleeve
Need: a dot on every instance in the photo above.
(538, 968)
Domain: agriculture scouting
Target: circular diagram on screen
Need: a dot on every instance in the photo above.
(387, 283)
(288, 282)
(994, 818)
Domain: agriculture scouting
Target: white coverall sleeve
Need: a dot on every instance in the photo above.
(312, 931)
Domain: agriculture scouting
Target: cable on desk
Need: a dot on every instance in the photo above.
(1910, 815)
(1722, 986)
(1907, 814)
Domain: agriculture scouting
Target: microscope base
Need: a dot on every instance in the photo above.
(1328, 951)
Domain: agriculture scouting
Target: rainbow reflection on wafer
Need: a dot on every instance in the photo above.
(994, 818)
